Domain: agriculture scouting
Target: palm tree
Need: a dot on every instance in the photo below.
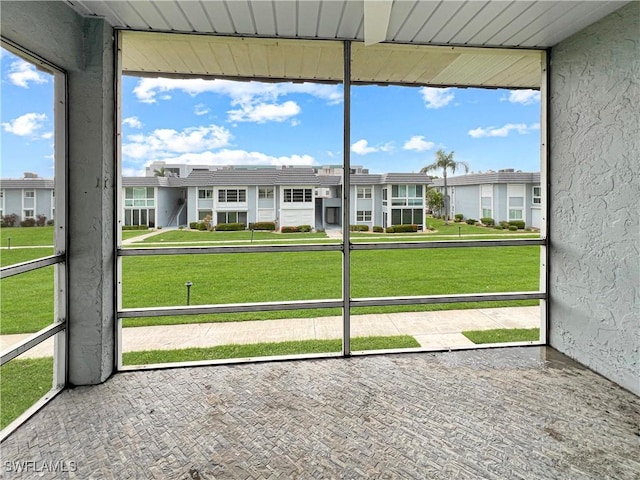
(160, 172)
(445, 162)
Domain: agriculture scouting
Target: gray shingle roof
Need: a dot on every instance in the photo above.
(26, 183)
(490, 177)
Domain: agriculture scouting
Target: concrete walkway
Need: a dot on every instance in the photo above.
(438, 330)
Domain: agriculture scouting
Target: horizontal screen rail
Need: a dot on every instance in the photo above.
(23, 267)
(317, 247)
(30, 342)
(439, 299)
(331, 303)
(228, 308)
(514, 242)
(328, 247)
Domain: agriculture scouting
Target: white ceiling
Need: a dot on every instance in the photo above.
(498, 23)
(428, 42)
(272, 59)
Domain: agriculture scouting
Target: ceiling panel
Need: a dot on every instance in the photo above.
(174, 16)
(311, 60)
(264, 17)
(218, 16)
(197, 16)
(495, 23)
(308, 18)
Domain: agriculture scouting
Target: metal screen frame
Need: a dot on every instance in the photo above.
(346, 302)
(58, 329)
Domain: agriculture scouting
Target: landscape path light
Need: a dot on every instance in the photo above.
(188, 285)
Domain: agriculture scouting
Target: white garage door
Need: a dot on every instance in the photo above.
(293, 218)
(265, 215)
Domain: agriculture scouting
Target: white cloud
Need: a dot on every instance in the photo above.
(133, 122)
(362, 147)
(25, 125)
(47, 135)
(263, 112)
(256, 102)
(436, 97)
(418, 143)
(201, 109)
(166, 142)
(21, 73)
(521, 128)
(524, 97)
(239, 157)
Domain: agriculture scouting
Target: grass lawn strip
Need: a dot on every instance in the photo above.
(22, 383)
(266, 349)
(502, 335)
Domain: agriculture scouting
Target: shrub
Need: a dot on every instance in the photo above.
(41, 220)
(498, 227)
(28, 222)
(378, 229)
(488, 221)
(504, 224)
(513, 228)
(289, 230)
(404, 228)
(304, 228)
(471, 221)
(458, 217)
(391, 230)
(9, 220)
(50, 223)
(359, 228)
(135, 227)
(180, 227)
(230, 227)
(193, 225)
(270, 226)
(202, 226)
(517, 223)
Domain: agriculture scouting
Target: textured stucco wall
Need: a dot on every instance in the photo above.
(84, 48)
(594, 196)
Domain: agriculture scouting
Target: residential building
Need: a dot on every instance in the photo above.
(28, 197)
(504, 195)
(288, 196)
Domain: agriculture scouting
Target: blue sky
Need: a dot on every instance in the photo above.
(394, 129)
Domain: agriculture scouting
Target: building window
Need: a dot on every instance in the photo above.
(1, 203)
(139, 197)
(363, 216)
(140, 217)
(232, 196)
(406, 216)
(537, 195)
(232, 217)
(363, 192)
(265, 192)
(202, 214)
(407, 195)
(515, 201)
(204, 193)
(29, 194)
(298, 195)
(27, 213)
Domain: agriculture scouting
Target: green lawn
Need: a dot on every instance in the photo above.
(266, 349)
(197, 236)
(502, 335)
(22, 383)
(19, 255)
(26, 236)
(261, 277)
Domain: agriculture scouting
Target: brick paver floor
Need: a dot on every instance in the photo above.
(528, 413)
